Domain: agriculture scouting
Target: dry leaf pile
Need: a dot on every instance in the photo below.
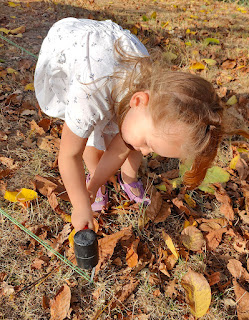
(183, 257)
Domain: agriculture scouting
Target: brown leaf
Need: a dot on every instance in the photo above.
(37, 264)
(192, 238)
(214, 278)
(49, 143)
(155, 206)
(226, 204)
(171, 261)
(242, 168)
(60, 304)
(170, 290)
(184, 208)
(48, 184)
(36, 128)
(108, 244)
(214, 238)
(164, 212)
(163, 269)
(209, 226)
(45, 124)
(242, 300)
(172, 174)
(131, 255)
(228, 64)
(236, 269)
(153, 164)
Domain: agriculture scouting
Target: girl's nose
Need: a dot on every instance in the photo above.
(145, 151)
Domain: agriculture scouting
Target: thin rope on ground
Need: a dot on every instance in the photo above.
(19, 47)
(48, 247)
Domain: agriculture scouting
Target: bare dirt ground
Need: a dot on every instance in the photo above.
(141, 275)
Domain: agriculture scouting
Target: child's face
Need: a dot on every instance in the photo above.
(139, 131)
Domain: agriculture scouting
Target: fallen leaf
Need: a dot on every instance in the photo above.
(242, 301)
(29, 87)
(198, 293)
(163, 269)
(226, 204)
(37, 264)
(229, 64)
(170, 290)
(231, 101)
(210, 62)
(49, 143)
(6, 289)
(214, 238)
(171, 261)
(164, 212)
(169, 244)
(214, 175)
(18, 30)
(192, 238)
(108, 244)
(21, 196)
(236, 269)
(60, 304)
(214, 278)
(131, 255)
(197, 66)
(208, 41)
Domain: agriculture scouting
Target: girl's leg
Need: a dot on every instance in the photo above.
(91, 157)
(130, 168)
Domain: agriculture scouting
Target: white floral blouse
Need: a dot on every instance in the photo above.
(75, 60)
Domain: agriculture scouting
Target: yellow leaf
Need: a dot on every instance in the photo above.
(198, 293)
(13, 4)
(126, 204)
(242, 10)
(208, 41)
(4, 30)
(241, 150)
(153, 15)
(210, 62)
(234, 162)
(10, 70)
(164, 24)
(197, 66)
(161, 187)
(233, 100)
(18, 30)
(188, 43)
(189, 31)
(21, 196)
(134, 30)
(1, 45)
(70, 238)
(26, 195)
(194, 17)
(191, 202)
(13, 17)
(66, 217)
(11, 196)
(29, 87)
(170, 245)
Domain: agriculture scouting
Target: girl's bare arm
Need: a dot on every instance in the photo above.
(110, 162)
(73, 175)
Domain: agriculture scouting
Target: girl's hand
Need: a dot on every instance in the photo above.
(82, 219)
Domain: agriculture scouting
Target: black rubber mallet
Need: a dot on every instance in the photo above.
(86, 249)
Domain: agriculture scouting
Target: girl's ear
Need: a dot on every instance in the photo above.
(140, 99)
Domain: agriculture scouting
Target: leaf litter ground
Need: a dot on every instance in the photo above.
(144, 254)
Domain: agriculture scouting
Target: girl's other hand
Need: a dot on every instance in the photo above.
(81, 219)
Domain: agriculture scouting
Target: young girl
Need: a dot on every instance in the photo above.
(118, 106)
